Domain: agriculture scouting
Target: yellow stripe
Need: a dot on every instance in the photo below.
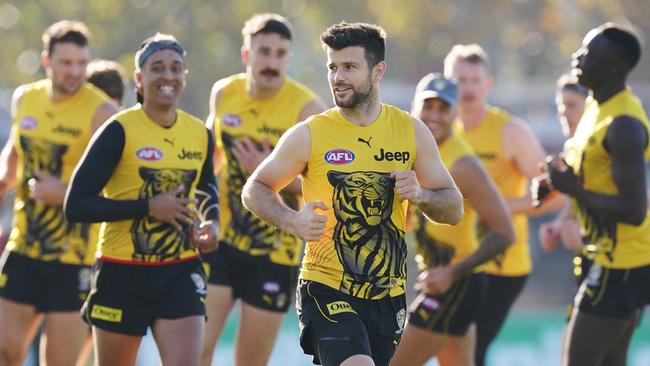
(454, 307)
(449, 299)
(317, 305)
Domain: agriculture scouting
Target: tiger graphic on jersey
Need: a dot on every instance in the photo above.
(155, 240)
(369, 245)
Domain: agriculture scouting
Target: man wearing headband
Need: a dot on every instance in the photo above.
(46, 264)
(256, 263)
(452, 284)
(153, 163)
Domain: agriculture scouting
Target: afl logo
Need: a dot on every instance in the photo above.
(149, 154)
(28, 123)
(231, 120)
(339, 157)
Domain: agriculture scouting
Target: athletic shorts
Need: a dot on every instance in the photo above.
(47, 285)
(452, 312)
(614, 293)
(128, 298)
(335, 326)
(254, 280)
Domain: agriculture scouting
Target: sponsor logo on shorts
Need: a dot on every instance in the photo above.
(231, 120)
(3, 280)
(105, 313)
(337, 307)
(271, 287)
(401, 320)
(431, 304)
(28, 123)
(199, 282)
(84, 279)
(339, 157)
(149, 154)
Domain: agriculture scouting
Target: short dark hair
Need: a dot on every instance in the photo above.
(266, 23)
(626, 40)
(65, 31)
(108, 76)
(369, 36)
(570, 82)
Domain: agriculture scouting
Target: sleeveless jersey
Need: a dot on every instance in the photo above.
(619, 245)
(154, 160)
(237, 116)
(363, 252)
(487, 141)
(51, 137)
(440, 244)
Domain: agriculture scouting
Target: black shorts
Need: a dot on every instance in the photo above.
(335, 326)
(614, 293)
(254, 280)
(452, 312)
(48, 286)
(128, 298)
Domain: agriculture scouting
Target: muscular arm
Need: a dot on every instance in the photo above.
(83, 202)
(481, 192)
(286, 162)
(626, 141)
(102, 114)
(8, 156)
(525, 151)
(439, 199)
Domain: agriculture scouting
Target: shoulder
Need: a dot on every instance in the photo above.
(626, 133)
(222, 85)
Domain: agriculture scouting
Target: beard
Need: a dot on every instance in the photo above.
(359, 96)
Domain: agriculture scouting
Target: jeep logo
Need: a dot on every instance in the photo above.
(190, 155)
(402, 156)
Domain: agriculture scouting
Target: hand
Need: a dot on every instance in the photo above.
(205, 236)
(167, 207)
(548, 235)
(248, 155)
(46, 188)
(310, 225)
(540, 189)
(407, 185)
(435, 281)
(562, 176)
(571, 235)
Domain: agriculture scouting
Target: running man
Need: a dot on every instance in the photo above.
(257, 263)
(604, 173)
(511, 154)
(361, 163)
(46, 265)
(452, 283)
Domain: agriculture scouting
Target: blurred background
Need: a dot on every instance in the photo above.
(530, 43)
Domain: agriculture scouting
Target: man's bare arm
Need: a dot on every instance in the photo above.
(211, 124)
(102, 114)
(9, 156)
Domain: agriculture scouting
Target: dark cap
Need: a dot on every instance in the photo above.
(437, 86)
(157, 43)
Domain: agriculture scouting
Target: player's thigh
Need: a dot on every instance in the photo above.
(64, 335)
(459, 351)
(113, 348)
(180, 340)
(417, 346)
(258, 329)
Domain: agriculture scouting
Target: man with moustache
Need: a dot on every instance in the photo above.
(46, 264)
(604, 174)
(256, 263)
(361, 163)
(511, 154)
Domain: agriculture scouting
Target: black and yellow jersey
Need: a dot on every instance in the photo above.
(619, 245)
(131, 160)
(363, 252)
(487, 141)
(440, 244)
(237, 116)
(51, 137)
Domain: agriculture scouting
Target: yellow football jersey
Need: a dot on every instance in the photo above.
(440, 244)
(619, 245)
(487, 141)
(51, 137)
(154, 160)
(238, 116)
(363, 252)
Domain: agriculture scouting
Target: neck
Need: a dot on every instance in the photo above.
(608, 89)
(256, 92)
(165, 116)
(472, 115)
(57, 96)
(442, 139)
(365, 113)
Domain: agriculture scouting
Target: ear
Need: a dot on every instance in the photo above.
(245, 55)
(378, 71)
(137, 77)
(45, 59)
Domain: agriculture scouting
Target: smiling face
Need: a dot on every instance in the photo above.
(162, 78)
(267, 59)
(352, 82)
(437, 114)
(66, 66)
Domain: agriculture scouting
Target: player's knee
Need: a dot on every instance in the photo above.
(11, 353)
